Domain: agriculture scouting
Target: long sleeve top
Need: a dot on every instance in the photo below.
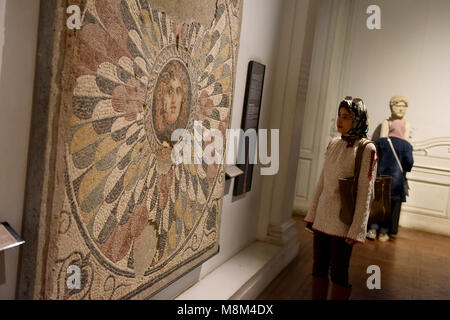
(326, 204)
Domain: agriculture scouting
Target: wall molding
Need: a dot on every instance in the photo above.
(428, 207)
(426, 145)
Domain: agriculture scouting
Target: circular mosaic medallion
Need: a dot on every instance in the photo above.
(140, 76)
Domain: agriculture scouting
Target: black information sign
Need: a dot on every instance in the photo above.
(250, 120)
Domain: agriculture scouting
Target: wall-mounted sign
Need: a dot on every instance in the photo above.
(250, 120)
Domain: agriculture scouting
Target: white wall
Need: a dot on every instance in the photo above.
(409, 56)
(18, 41)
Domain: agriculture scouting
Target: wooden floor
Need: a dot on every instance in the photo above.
(414, 266)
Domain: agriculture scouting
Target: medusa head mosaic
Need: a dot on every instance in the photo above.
(133, 221)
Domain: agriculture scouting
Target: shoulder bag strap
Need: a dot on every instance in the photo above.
(359, 156)
(395, 155)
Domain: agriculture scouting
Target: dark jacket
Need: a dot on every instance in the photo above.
(387, 165)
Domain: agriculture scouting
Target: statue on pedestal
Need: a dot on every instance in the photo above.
(398, 105)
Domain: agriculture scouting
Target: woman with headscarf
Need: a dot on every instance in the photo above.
(333, 239)
(388, 149)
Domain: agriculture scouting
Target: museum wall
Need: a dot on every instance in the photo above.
(18, 40)
(408, 56)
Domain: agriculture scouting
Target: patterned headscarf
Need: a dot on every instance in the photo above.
(360, 116)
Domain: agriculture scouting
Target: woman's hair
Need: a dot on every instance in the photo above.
(396, 100)
(360, 116)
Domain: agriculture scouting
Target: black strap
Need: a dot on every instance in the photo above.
(359, 155)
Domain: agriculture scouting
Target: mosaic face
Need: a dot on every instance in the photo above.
(135, 217)
(399, 110)
(171, 100)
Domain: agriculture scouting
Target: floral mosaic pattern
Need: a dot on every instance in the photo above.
(139, 76)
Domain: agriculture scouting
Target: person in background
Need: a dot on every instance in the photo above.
(333, 239)
(388, 165)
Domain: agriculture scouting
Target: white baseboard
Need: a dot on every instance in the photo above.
(254, 286)
(424, 223)
(245, 275)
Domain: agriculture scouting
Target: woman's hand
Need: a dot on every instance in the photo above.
(350, 242)
(309, 227)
